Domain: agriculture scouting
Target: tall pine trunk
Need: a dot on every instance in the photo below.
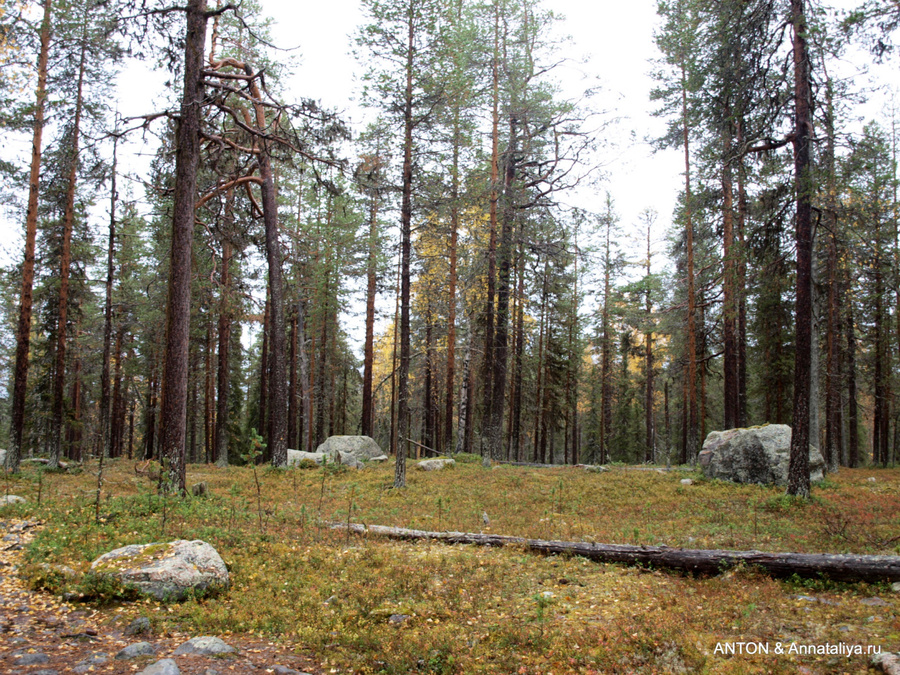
(23, 329)
(798, 469)
(451, 289)
(731, 373)
(223, 375)
(489, 339)
(368, 410)
(405, 251)
(56, 424)
(501, 332)
(691, 444)
(178, 306)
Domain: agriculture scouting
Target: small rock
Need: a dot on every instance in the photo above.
(887, 662)
(895, 587)
(95, 659)
(379, 458)
(809, 598)
(435, 464)
(284, 670)
(593, 468)
(163, 667)
(211, 671)
(200, 489)
(64, 570)
(206, 645)
(872, 479)
(45, 671)
(875, 602)
(136, 650)
(32, 659)
(687, 481)
(11, 499)
(140, 626)
(399, 618)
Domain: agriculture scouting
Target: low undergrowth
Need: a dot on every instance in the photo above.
(369, 605)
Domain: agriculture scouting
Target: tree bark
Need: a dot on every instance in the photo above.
(501, 332)
(606, 348)
(489, 339)
(321, 356)
(405, 246)
(178, 306)
(264, 369)
(368, 411)
(208, 396)
(107, 310)
(450, 382)
(223, 376)
(293, 413)
(277, 408)
(23, 329)
(115, 436)
(305, 394)
(57, 422)
(852, 403)
(463, 443)
(798, 470)
(731, 402)
(516, 436)
(428, 399)
(692, 442)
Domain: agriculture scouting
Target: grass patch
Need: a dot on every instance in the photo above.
(474, 610)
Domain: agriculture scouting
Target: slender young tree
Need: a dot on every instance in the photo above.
(678, 42)
(403, 32)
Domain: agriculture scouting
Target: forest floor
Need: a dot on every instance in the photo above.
(316, 600)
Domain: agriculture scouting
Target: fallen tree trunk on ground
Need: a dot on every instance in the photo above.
(870, 568)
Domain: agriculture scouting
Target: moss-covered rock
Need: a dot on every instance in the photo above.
(167, 571)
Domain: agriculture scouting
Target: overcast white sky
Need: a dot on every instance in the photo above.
(616, 38)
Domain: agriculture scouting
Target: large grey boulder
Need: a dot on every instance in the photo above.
(361, 447)
(754, 455)
(169, 571)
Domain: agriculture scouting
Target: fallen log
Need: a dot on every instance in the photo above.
(838, 567)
